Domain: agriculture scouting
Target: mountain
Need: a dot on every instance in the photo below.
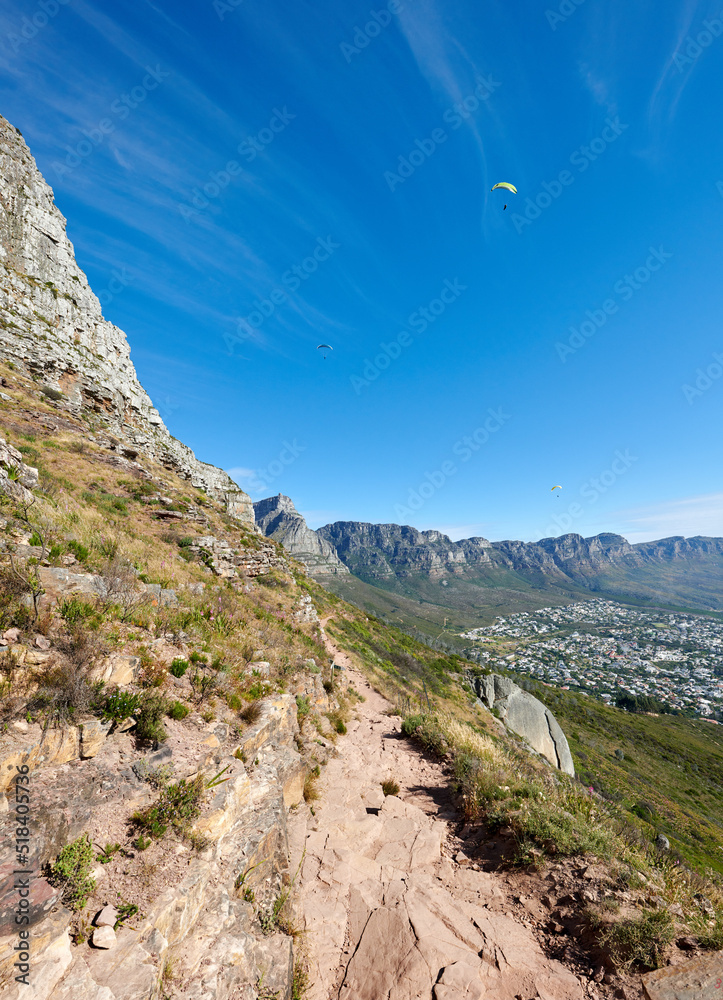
(278, 519)
(52, 328)
(398, 570)
(677, 571)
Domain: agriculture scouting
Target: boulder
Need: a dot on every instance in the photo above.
(103, 937)
(106, 917)
(692, 980)
(528, 717)
(92, 737)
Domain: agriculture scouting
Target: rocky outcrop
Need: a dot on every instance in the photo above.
(203, 907)
(52, 327)
(278, 519)
(16, 478)
(528, 717)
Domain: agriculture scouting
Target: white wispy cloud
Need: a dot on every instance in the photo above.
(688, 516)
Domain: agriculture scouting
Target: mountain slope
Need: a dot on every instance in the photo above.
(279, 519)
(52, 328)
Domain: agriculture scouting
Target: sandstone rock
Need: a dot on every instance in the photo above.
(22, 727)
(106, 917)
(42, 642)
(117, 669)
(662, 842)
(526, 716)
(12, 635)
(92, 737)
(693, 980)
(278, 519)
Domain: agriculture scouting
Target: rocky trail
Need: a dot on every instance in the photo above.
(392, 907)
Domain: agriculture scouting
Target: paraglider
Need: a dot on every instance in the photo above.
(507, 186)
(324, 347)
(556, 488)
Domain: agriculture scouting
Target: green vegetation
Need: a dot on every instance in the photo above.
(178, 667)
(149, 716)
(71, 873)
(390, 787)
(178, 805)
(177, 710)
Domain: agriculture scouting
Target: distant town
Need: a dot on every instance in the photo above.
(607, 650)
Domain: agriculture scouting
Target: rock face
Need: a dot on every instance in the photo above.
(278, 519)
(52, 327)
(528, 717)
(689, 570)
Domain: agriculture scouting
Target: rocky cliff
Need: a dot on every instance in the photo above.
(677, 570)
(278, 519)
(52, 327)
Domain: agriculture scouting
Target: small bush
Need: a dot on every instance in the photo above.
(303, 707)
(337, 723)
(311, 792)
(178, 667)
(74, 610)
(80, 552)
(51, 393)
(390, 787)
(149, 725)
(121, 705)
(251, 712)
(71, 873)
(177, 806)
(177, 710)
(640, 942)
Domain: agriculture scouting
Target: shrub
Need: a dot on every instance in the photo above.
(149, 725)
(177, 806)
(337, 723)
(303, 706)
(178, 667)
(390, 787)
(177, 710)
(121, 705)
(73, 610)
(640, 942)
(311, 792)
(80, 552)
(51, 393)
(71, 873)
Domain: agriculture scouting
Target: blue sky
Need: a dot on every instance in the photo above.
(244, 181)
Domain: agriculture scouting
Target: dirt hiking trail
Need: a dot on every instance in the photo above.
(389, 907)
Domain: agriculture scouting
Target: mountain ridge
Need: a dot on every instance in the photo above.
(52, 328)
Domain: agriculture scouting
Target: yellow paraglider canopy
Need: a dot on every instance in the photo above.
(555, 488)
(505, 184)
